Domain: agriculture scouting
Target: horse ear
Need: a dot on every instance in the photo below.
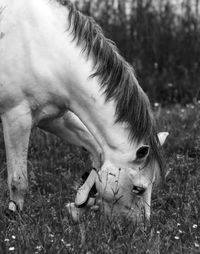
(142, 153)
(162, 137)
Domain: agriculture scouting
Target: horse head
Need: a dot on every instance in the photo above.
(123, 192)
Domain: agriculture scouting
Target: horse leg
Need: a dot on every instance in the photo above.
(17, 124)
(147, 201)
(70, 129)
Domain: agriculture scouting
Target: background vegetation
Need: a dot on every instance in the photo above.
(159, 38)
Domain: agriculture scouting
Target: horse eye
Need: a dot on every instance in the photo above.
(138, 190)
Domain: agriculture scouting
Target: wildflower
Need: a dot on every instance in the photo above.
(179, 156)
(11, 248)
(158, 232)
(6, 240)
(180, 231)
(155, 65)
(39, 247)
(176, 237)
(182, 110)
(178, 224)
(156, 104)
(13, 237)
(68, 245)
(196, 245)
(195, 226)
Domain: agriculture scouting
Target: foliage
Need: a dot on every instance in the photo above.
(45, 227)
(159, 39)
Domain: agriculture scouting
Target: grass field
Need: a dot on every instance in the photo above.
(54, 167)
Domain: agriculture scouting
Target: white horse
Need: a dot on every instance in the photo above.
(59, 72)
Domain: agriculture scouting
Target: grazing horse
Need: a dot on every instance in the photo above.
(60, 73)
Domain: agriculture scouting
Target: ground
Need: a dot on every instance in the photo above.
(54, 168)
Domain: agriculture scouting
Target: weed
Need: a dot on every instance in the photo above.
(53, 167)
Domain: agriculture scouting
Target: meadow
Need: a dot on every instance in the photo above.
(54, 168)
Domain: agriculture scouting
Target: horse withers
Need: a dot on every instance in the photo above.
(60, 73)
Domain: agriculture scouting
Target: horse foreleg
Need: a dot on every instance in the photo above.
(17, 124)
(70, 129)
(147, 201)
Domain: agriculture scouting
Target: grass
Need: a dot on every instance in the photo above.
(45, 227)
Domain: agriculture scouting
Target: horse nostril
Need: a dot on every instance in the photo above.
(138, 190)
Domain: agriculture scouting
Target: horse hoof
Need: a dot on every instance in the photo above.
(11, 215)
(12, 210)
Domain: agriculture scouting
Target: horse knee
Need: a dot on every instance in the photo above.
(18, 186)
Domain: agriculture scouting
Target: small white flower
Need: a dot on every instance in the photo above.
(11, 248)
(39, 247)
(196, 245)
(195, 226)
(155, 65)
(176, 237)
(13, 237)
(156, 104)
(178, 224)
(158, 232)
(6, 240)
(68, 245)
(180, 231)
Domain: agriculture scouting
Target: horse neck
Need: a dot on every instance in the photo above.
(88, 101)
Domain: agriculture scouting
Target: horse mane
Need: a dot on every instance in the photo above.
(117, 79)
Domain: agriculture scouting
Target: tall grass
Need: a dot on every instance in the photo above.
(159, 38)
(45, 227)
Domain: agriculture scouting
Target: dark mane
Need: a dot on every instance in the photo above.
(117, 80)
